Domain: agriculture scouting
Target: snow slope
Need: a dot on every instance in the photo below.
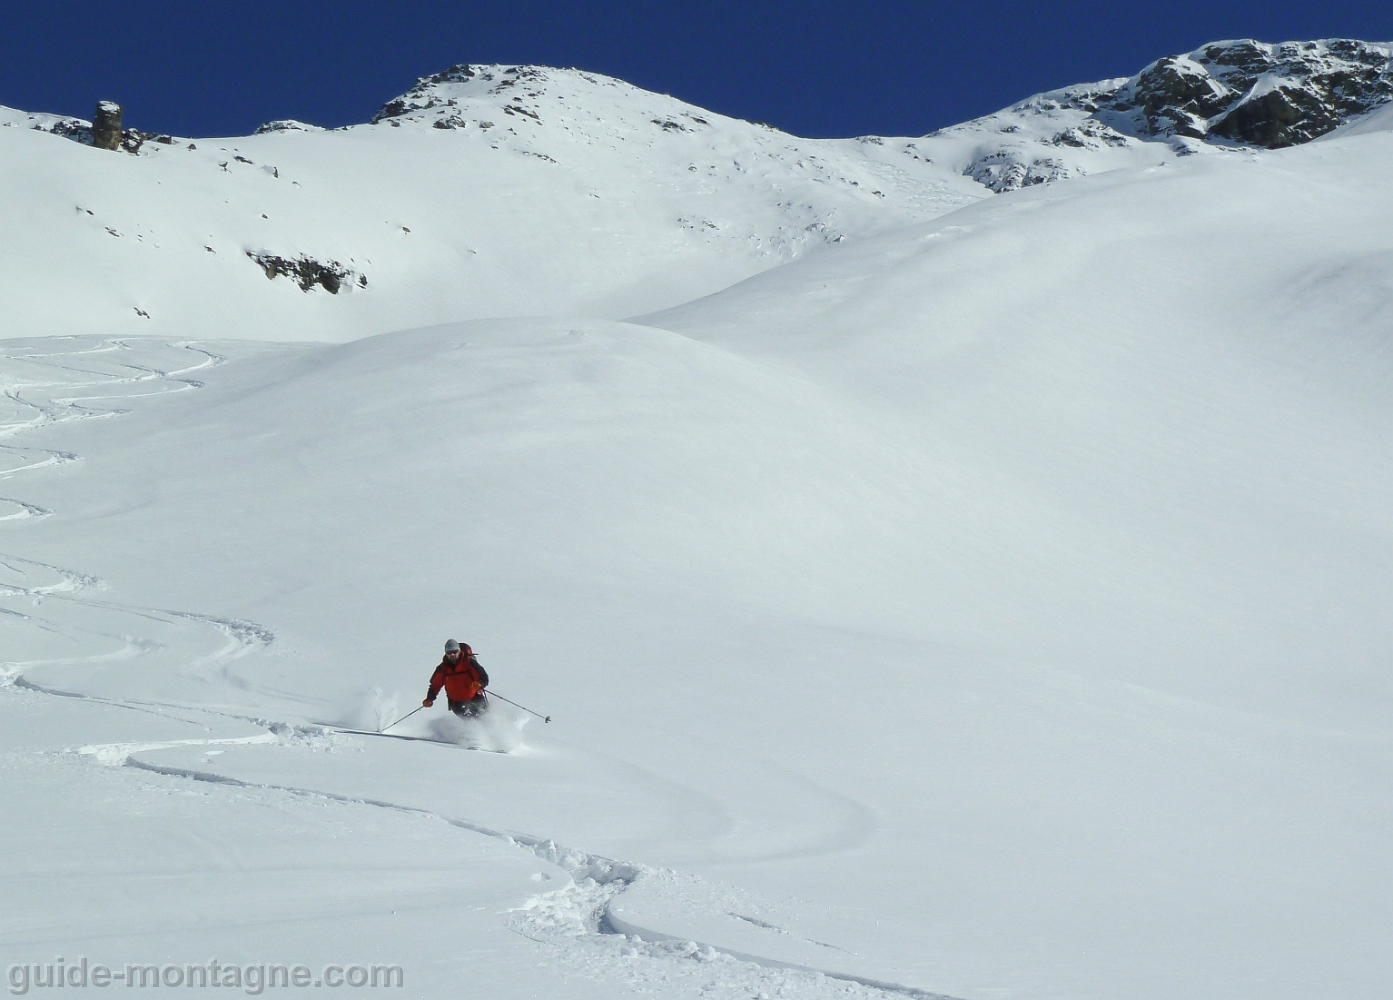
(993, 606)
(491, 191)
(550, 191)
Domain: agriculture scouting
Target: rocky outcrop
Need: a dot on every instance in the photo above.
(309, 273)
(104, 132)
(1178, 91)
(420, 97)
(69, 128)
(1272, 119)
(132, 139)
(1004, 171)
(1222, 95)
(427, 95)
(106, 126)
(286, 125)
(1252, 93)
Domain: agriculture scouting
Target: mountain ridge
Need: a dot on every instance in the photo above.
(1239, 92)
(497, 190)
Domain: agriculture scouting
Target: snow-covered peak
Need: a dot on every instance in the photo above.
(1254, 93)
(1222, 96)
(491, 190)
(483, 191)
(435, 96)
(536, 101)
(287, 125)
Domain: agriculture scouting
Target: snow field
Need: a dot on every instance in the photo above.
(991, 607)
(175, 666)
(519, 190)
(592, 207)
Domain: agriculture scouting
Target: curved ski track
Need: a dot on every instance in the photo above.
(42, 387)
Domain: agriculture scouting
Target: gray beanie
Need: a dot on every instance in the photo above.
(451, 646)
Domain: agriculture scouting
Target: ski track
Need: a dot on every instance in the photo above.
(580, 912)
(21, 510)
(43, 387)
(56, 387)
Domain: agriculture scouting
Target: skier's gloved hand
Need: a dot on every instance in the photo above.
(428, 703)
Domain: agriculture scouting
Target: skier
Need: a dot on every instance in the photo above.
(462, 678)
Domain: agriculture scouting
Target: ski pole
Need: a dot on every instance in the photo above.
(544, 718)
(403, 718)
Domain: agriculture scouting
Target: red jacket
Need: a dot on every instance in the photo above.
(462, 680)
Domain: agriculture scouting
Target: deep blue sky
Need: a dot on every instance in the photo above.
(814, 68)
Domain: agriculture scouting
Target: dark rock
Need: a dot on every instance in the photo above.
(394, 108)
(418, 97)
(1177, 82)
(1246, 56)
(133, 139)
(1249, 92)
(106, 126)
(308, 272)
(458, 73)
(70, 128)
(1272, 120)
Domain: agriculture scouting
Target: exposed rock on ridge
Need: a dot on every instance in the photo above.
(106, 133)
(286, 125)
(421, 97)
(1262, 95)
(1223, 95)
(106, 125)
